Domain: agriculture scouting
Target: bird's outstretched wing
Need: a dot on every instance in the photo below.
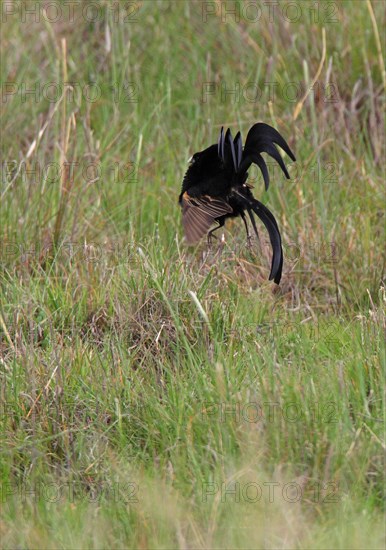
(199, 214)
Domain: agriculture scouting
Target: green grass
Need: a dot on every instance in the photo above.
(154, 395)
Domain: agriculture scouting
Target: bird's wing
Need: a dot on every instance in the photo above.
(199, 214)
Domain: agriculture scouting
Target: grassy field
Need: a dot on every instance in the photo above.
(160, 396)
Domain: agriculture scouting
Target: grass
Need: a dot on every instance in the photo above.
(154, 395)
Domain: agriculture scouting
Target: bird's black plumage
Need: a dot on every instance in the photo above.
(215, 186)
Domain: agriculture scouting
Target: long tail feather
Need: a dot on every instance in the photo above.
(274, 153)
(270, 223)
(220, 143)
(261, 138)
(232, 158)
(258, 159)
(238, 143)
(262, 132)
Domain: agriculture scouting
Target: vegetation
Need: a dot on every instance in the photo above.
(160, 396)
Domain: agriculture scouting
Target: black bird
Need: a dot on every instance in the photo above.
(215, 187)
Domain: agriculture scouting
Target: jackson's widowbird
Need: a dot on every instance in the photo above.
(215, 187)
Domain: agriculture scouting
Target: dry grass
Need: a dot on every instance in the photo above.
(126, 357)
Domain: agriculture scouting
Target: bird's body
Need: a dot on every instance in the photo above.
(215, 187)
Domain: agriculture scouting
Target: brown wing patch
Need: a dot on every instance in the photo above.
(199, 214)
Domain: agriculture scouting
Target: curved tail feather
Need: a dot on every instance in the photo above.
(262, 138)
(270, 223)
